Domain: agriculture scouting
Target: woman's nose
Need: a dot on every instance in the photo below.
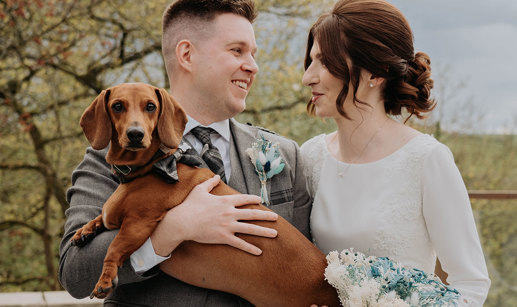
(309, 77)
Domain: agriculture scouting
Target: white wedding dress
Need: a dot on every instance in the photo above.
(410, 206)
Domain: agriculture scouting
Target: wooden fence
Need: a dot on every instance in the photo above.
(492, 194)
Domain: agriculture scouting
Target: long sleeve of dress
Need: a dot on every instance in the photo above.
(452, 230)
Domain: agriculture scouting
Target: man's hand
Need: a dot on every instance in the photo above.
(207, 218)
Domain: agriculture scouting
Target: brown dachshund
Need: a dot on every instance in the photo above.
(138, 118)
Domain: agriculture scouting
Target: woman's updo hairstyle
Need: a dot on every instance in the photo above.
(373, 35)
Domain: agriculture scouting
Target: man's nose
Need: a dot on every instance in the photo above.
(250, 65)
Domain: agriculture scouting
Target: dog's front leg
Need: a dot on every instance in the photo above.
(86, 233)
(133, 234)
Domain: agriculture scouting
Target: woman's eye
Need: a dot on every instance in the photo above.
(117, 107)
(237, 50)
(150, 107)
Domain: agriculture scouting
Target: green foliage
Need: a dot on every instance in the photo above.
(56, 56)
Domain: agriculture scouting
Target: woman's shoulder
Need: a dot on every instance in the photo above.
(425, 149)
(314, 145)
(423, 144)
(429, 145)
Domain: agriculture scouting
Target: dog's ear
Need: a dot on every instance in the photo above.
(96, 123)
(172, 119)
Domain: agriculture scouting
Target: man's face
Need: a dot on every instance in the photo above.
(224, 66)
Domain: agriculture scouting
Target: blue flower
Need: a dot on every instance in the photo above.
(387, 281)
(268, 162)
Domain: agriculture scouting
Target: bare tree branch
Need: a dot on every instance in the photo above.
(7, 224)
(20, 167)
(62, 137)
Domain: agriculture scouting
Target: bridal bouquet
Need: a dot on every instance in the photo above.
(379, 281)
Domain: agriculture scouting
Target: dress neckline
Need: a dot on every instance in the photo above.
(400, 149)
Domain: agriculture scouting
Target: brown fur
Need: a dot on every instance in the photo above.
(288, 273)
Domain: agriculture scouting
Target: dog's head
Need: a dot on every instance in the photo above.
(134, 117)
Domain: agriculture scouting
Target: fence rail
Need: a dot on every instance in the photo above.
(492, 194)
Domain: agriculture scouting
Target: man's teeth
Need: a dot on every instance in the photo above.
(241, 84)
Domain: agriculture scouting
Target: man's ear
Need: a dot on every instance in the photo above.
(184, 54)
(96, 123)
(172, 120)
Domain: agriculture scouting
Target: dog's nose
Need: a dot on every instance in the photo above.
(135, 134)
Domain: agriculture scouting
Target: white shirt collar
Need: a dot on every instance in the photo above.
(222, 127)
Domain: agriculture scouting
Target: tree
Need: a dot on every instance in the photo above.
(55, 57)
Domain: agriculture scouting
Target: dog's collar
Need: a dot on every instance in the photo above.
(124, 170)
(163, 163)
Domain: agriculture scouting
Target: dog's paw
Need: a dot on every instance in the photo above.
(100, 292)
(84, 235)
(82, 240)
(102, 289)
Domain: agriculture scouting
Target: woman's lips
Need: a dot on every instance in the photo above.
(315, 96)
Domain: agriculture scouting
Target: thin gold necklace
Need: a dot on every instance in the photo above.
(367, 144)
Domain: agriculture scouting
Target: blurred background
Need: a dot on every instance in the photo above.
(57, 56)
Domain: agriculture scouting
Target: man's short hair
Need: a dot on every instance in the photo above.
(190, 19)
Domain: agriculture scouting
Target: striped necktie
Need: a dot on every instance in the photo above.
(210, 154)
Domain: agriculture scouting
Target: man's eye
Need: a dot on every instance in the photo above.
(117, 107)
(150, 107)
(237, 50)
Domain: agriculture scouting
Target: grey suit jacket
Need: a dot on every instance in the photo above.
(93, 183)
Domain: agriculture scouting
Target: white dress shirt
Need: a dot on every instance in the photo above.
(145, 257)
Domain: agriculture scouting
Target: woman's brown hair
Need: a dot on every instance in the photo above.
(373, 35)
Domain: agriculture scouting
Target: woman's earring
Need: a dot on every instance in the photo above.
(370, 84)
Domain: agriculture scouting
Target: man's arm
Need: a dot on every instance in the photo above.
(203, 217)
(80, 268)
(215, 223)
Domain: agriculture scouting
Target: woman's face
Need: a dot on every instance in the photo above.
(325, 87)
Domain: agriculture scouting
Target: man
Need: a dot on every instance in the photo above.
(208, 47)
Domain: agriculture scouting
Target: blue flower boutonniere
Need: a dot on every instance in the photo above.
(268, 162)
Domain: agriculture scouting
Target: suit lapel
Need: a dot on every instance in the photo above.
(243, 178)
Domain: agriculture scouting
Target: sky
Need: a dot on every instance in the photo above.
(473, 50)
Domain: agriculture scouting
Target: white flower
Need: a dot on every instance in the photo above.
(262, 158)
(347, 256)
(391, 300)
(276, 163)
(415, 299)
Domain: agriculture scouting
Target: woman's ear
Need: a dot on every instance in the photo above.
(372, 80)
(184, 51)
(96, 123)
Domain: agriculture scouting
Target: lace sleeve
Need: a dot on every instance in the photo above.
(313, 153)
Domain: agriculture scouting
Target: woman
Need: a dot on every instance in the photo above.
(379, 186)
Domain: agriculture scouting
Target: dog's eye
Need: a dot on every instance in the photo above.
(117, 107)
(150, 107)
